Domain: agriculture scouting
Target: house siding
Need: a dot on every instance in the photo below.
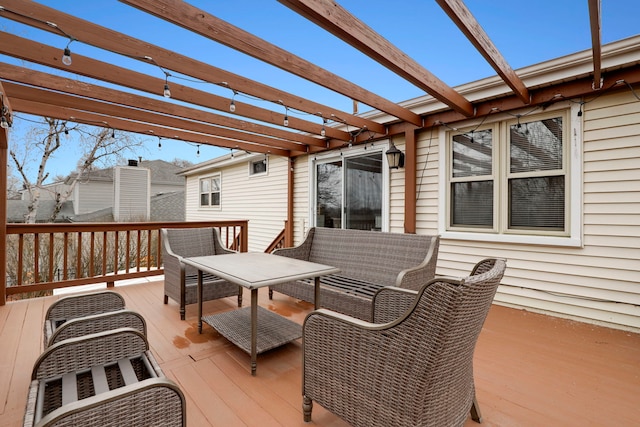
(599, 282)
(131, 189)
(93, 196)
(260, 199)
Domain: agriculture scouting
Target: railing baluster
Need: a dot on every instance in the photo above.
(65, 257)
(36, 258)
(20, 259)
(51, 255)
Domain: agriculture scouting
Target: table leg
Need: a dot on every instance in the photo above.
(199, 292)
(316, 293)
(254, 330)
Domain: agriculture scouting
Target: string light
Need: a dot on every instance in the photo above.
(4, 124)
(232, 106)
(286, 116)
(167, 91)
(159, 143)
(323, 132)
(198, 152)
(66, 56)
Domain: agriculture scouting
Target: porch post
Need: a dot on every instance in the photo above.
(410, 175)
(288, 229)
(4, 143)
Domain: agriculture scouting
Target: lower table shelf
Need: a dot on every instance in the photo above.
(273, 329)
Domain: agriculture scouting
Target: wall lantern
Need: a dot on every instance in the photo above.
(395, 157)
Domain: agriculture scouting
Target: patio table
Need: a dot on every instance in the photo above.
(255, 329)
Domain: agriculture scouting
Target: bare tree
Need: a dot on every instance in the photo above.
(98, 147)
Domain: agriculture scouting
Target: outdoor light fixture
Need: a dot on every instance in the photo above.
(286, 117)
(66, 57)
(4, 124)
(167, 91)
(395, 157)
(323, 132)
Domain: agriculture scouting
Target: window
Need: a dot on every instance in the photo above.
(510, 178)
(210, 191)
(258, 167)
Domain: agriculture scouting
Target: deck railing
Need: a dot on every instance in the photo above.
(43, 257)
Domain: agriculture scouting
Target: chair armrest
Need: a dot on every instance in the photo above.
(301, 251)
(390, 303)
(125, 404)
(75, 354)
(415, 277)
(219, 248)
(98, 323)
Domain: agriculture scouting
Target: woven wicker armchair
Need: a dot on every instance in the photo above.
(180, 281)
(97, 323)
(416, 370)
(104, 379)
(78, 306)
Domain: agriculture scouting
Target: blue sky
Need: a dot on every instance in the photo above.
(525, 32)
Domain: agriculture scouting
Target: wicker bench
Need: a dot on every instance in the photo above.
(369, 260)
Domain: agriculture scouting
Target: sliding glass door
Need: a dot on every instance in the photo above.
(349, 192)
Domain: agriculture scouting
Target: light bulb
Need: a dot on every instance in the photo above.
(66, 57)
(286, 120)
(159, 145)
(323, 132)
(4, 124)
(167, 92)
(232, 106)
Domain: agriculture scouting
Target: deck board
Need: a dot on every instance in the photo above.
(530, 369)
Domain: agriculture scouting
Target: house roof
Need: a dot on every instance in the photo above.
(162, 172)
(17, 211)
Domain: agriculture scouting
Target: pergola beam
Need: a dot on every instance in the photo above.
(38, 16)
(112, 96)
(594, 21)
(119, 112)
(338, 21)
(78, 116)
(46, 55)
(470, 27)
(207, 25)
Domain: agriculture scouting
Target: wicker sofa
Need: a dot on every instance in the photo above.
(180, 280)
(369, 260)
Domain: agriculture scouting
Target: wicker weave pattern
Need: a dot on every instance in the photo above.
(98, 323)
(77, 306)
(415, 371)
(80, 353)
(368, 261)
(180, 281)
(152, 401)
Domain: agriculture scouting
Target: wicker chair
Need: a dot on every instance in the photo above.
(78, 306)
(97, 323)
(104, 379)
(416, 370)
(180, 281)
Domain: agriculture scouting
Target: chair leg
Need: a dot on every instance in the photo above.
(475, 411)
(240, 298)
(270, 293)
(166, 299)
(183, 312)
(307, 405)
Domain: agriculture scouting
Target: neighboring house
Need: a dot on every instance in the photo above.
(242, 186)
(555, 191)
(147, 190)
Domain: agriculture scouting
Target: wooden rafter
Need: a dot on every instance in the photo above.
(46, 55)
(78, 116)
(110, 110)
(335, 19)
(37, 15)
(594, 20)
(207, 25)
(463, 18)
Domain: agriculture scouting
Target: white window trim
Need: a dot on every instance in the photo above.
(575, 188)
(381, 146)
(210, 206)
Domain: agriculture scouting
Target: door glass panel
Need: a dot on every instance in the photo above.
(329, 194)
(363, 192)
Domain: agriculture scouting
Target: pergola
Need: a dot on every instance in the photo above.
(250, 127)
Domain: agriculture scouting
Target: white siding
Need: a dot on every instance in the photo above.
(599, 282)
(260, 199)
(93, 196)
(301, 193)
(131, 189)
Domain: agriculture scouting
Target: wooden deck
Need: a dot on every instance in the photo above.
(530, 369)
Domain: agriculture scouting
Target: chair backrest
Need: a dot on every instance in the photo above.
(189, 242)
(442, 330)
(73, 306)
(372, 256)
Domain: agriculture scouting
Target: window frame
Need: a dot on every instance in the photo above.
(572, 165)
(264, 160)
(210, 178)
